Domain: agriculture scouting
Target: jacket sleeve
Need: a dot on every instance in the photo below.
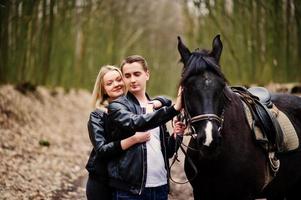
(97, 134)
(163, 100)
(127, 120)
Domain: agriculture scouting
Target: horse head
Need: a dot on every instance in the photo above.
(203, 94)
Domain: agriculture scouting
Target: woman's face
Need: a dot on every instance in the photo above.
(113, 84)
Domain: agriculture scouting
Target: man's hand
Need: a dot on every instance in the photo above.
(178, 128)
(156, 104)
(178, 104)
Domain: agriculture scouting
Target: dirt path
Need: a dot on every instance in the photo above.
(180, 191)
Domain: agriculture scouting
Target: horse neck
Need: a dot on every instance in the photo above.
(233, 104)
(231, 96)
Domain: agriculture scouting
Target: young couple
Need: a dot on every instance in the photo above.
(131, 142)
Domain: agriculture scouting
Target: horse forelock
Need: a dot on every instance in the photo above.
(198, 63)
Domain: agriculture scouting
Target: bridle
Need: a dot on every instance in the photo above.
(201, 117)
(189, 121)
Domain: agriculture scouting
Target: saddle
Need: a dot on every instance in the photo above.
(271, 128)
(258, 100)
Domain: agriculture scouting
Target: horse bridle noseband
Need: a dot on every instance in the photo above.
(201, 117)
(209, 117)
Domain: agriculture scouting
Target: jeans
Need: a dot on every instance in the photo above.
(97, 189)
(152, 193)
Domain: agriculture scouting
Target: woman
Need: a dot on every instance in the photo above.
(109, 85)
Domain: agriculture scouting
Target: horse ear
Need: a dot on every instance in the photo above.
(217, 47)
(184, 51)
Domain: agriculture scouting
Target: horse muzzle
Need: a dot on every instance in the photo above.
(209, 136)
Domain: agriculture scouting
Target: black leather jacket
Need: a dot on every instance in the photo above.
(128, 171)
(102, 149)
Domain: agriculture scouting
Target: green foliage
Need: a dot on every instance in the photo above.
(64, 43)
(261, 38)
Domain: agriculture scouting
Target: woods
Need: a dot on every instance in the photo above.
(63, 43)
(49, 43)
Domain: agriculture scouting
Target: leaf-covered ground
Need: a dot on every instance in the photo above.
(44, 143)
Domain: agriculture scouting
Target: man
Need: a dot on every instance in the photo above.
(142, 171)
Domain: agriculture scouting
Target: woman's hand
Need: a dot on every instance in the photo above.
(139, 137)
(142, 137)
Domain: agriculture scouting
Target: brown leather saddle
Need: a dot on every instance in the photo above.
(258, 99)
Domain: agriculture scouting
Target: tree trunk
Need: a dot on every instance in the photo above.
(298, 26)
(287, 46)
(4, 16)
(48, 43)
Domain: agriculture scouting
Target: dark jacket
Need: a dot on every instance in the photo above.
(102, 149)
(128, 171)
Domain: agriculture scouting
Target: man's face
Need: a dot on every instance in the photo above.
(135, 77)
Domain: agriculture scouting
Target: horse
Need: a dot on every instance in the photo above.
(229, 163)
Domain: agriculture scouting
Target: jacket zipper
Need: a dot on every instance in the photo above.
(143, 162)
(143, 171)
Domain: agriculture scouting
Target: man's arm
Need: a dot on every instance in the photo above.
(128, 120)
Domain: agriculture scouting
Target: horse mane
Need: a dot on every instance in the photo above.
(199, 61)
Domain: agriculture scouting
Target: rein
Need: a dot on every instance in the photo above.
(180, 144)
(188, 159)
(189, 121)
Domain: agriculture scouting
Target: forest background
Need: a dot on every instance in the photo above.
(64, 42)
(51, 52)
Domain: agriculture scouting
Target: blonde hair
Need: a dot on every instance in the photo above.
(99, 96)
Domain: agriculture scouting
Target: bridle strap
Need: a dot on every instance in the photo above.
(206, 117)
(210, 116)
(189, 121)
(189, 161)
(201, 117)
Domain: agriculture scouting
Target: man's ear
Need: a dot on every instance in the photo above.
(147, 75)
